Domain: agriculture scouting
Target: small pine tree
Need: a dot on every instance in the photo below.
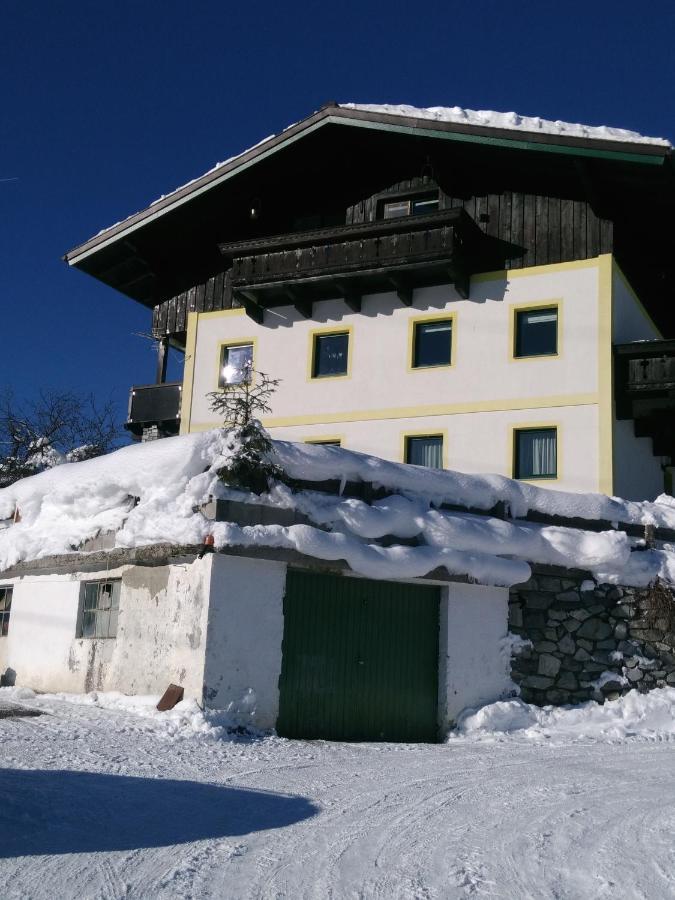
(240, 405)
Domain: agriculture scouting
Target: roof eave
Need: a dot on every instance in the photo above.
(620, 151)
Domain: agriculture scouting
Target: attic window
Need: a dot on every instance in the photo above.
(410, 206)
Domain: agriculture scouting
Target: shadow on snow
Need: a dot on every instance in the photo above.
(43, 812)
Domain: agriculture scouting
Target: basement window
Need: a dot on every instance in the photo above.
(425, 450)
(410, 206)
(236, 364)
(100, 609)
(5, 609)
(536, 332)
(535, 453)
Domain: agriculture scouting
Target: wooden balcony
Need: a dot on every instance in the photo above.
(645, 391)
(349, 261)
(154, 405)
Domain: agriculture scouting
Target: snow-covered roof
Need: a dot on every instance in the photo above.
(512, 121)
(151, 493)
(450, 115)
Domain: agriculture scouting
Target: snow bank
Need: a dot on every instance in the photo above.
(646, 717)
(151, 493)
(512, 121)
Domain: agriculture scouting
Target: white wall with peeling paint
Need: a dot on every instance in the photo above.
(161, 632)
(245, 630)
(474, 662)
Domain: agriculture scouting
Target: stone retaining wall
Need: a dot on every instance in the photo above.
(589, 641)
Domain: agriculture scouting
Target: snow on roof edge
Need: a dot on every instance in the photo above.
(512, 121)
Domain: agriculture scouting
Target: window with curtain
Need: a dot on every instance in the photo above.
(426, 450)
(536, 332)
(100, 609)
(432, 344)
(536, 453)
(330, 354)
(236, 364)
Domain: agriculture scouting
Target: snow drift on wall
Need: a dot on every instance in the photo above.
(151, 493)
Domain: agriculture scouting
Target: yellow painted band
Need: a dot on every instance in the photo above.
(416, 412)
(605, 377)
(548, 269)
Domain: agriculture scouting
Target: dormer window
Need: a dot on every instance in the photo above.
(420, 205)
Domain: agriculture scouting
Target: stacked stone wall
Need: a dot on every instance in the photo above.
(589, 641)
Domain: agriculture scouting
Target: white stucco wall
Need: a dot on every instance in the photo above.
(160, 638)
(245, 630)
(474, 668)
(630, 321)
(477, 400)
(637, 472)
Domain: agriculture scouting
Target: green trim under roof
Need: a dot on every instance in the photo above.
(507, 142)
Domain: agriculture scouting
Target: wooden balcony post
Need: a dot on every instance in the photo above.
(162, 359)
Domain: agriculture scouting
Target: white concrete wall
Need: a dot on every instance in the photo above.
(477, 400)
(479, 442)
(245, 630)
(474, 669)
(630, 321)
(160, 639)
(637, 472)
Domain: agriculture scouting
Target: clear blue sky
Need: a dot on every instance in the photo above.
(105, 106)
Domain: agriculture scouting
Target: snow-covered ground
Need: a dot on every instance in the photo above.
(106, 799)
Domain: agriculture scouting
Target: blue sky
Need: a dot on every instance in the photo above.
(105, 106)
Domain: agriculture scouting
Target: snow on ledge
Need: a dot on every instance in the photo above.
(511, 121)
(151, 493)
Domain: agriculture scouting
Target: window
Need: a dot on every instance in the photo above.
(411, 206)
(100, 608)
(426, 450)
(5, 608)
(330, 354)
(536, 332)
(236, 363)
(329, 442)
(536, 453)
(432, 344)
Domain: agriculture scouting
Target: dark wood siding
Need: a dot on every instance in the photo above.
(528, 229)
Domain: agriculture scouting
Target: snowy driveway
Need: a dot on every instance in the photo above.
(113, 804)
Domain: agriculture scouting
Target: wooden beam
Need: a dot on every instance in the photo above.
(462, 284)
(162, 359)
(404, 291)
(303, 305)
(350, 294)
(248, 300)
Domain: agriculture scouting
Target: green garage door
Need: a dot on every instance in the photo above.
(360, 660)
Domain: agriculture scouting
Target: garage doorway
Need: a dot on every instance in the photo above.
(359, 659)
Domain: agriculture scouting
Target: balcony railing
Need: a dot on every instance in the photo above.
(645, 391)
(350, 260)
(154, 406)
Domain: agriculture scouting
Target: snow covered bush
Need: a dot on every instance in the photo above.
(250, 466)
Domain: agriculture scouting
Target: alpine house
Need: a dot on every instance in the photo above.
(471, 290)
(482, 295)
